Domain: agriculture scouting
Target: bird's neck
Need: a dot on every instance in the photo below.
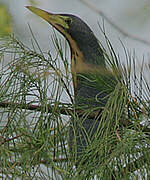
(87, 47)
(87, 57)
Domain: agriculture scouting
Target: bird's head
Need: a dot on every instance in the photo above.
(64, 23)
(84, 46)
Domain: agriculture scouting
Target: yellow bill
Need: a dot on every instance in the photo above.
(54, 19)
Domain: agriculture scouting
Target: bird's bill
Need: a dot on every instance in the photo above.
(54, 19)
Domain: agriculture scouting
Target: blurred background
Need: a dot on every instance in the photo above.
(131, 17)
(125, 22)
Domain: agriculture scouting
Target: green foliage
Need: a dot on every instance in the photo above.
(33, 139)
(5, 21)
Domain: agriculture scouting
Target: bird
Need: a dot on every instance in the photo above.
(87, 59)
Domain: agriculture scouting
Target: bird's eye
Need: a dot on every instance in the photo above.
(68, 21)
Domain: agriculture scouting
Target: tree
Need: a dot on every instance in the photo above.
(34, 121)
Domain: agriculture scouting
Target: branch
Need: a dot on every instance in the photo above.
(3, 140)
(62, 110)
(66, 111)
(130, 167)
(112, 23)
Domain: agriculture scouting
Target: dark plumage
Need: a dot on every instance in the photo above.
(87, 61)
(86, 41)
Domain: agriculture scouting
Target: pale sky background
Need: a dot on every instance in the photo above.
(133, 16)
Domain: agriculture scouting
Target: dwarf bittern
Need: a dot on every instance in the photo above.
(86, 58)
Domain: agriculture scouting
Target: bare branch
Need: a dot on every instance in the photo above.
(62, 110)
(66, 111)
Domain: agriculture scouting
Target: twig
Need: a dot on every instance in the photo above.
(65, 111)
(112, 23)
(118, 136)
(133, 166)
(62, 110)
(10, 139)
(54, 160)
